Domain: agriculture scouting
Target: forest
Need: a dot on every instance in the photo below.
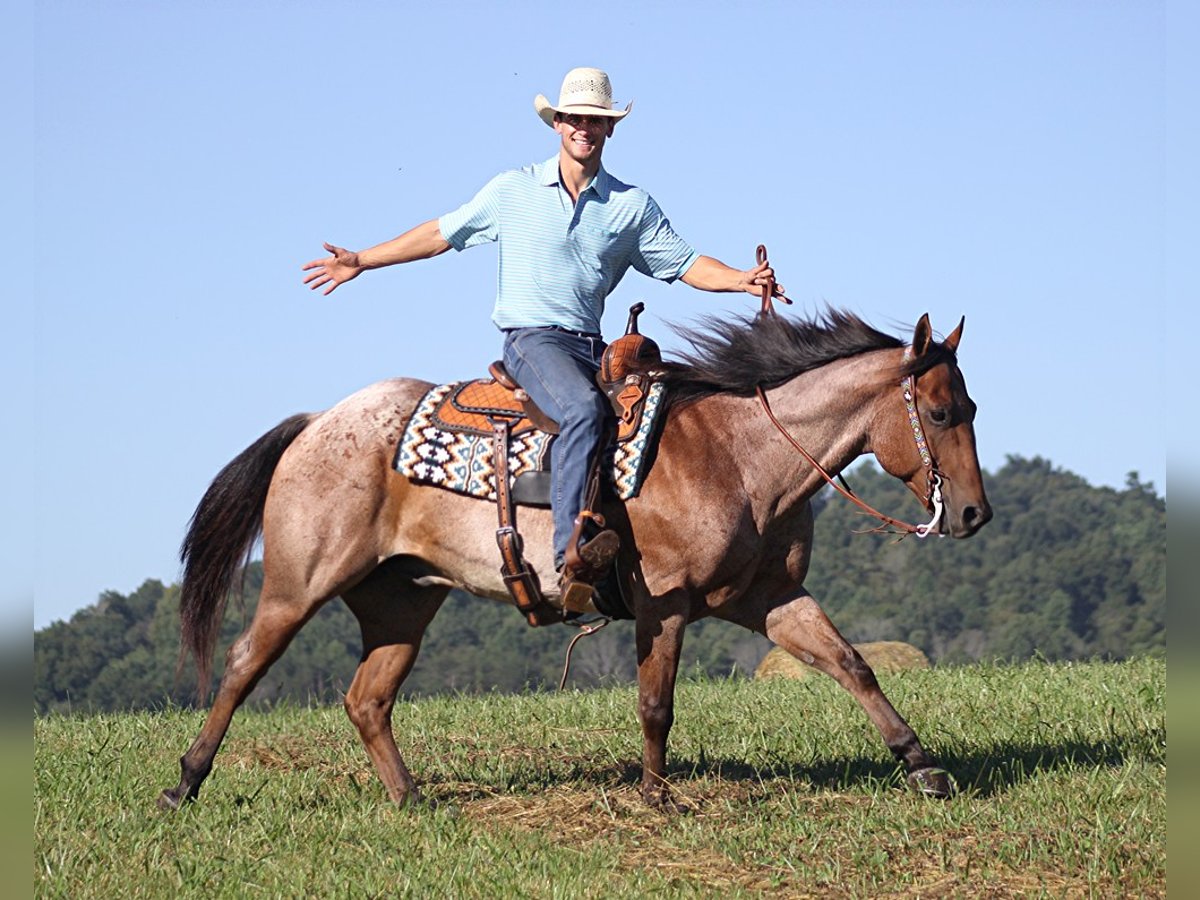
(1065, 571)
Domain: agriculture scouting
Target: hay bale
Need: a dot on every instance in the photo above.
(883, 656)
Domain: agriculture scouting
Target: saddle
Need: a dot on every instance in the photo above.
(474, 405)
(499, 407)
(626, 371)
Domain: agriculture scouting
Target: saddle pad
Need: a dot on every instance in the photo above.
(461, 461)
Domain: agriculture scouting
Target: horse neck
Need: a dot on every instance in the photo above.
(830, 412)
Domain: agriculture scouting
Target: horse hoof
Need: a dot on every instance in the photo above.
(932, 783)
(666, 804)
(411, 799)
(168, 800)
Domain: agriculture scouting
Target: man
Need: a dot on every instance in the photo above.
(568, 231)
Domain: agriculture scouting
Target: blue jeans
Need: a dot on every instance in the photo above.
(558, 370)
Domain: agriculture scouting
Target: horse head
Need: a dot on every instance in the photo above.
(926, 435)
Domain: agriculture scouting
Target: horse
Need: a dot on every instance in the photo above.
(722, 525)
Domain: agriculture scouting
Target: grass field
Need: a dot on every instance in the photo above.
(1061, 771)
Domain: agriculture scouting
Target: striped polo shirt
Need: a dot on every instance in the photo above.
(559, 260)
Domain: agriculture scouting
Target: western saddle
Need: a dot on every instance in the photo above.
(500, 407)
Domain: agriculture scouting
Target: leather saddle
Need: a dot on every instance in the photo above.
(626, 372)
(474, 405)
(499, 407)
(627, 369)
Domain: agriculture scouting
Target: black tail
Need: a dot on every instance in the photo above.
(220, 538)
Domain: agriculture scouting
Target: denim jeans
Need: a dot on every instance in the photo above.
(558, 370)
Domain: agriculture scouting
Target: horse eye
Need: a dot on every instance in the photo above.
(939, 415)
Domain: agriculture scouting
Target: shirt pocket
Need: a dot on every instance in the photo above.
(598, 247)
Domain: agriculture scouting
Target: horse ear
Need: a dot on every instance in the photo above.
(922, 335)
(955, 336)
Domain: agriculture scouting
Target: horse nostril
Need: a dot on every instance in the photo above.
(976, 517)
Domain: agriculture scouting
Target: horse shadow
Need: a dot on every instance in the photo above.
(984, 771)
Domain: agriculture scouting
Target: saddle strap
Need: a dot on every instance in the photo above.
(520, 581)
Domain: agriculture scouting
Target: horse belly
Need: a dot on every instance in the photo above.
(456, 536)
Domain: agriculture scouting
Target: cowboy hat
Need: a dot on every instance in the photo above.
(586, 92)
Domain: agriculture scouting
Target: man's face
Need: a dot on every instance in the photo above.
(583, 137)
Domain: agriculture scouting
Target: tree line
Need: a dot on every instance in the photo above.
(1065, 571)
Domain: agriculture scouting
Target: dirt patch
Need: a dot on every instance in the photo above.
(616, 820)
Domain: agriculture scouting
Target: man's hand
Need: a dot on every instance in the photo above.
(421, 242)
(752, 280)
(708, 274)
(333, 270)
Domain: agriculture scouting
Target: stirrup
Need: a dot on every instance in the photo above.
(576, 596)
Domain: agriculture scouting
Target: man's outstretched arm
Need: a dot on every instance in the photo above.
(422, 242)
(708, 274)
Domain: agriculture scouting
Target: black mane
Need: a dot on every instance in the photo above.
(735, 356)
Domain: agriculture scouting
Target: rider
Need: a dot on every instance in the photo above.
(568, 231)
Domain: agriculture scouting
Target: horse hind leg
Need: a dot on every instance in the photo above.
(276, 620)
(393, 614)
(802, 629)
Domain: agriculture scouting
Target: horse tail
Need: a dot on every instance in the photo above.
(220, 538)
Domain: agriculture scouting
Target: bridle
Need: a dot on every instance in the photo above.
(933, 477)
(908, 388)
(933, 494)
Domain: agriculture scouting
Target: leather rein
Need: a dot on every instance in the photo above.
(908, 386)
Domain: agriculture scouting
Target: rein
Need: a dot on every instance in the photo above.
(935, 481)
(585, 630)
(768, 289)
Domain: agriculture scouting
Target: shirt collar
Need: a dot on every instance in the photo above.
(600, 184)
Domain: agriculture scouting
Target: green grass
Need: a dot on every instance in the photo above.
(1062, 772)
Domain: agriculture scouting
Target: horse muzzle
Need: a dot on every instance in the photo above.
(963, 521)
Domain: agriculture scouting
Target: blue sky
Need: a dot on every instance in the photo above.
(1004, 161)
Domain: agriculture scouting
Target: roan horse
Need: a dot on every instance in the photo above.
(722, 526)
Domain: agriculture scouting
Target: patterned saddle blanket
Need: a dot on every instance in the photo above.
(448, 443)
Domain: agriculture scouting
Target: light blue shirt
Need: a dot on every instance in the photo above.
(559, 260)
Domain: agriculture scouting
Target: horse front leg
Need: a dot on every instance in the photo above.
(660, 626)
(801, 628)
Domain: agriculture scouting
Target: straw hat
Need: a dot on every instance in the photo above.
(585, 92)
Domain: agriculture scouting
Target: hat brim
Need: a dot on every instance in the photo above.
(546, 112)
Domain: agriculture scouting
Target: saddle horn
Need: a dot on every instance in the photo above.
(631, 354)
(631, 327)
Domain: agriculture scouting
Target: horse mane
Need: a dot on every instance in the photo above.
(737, 355)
